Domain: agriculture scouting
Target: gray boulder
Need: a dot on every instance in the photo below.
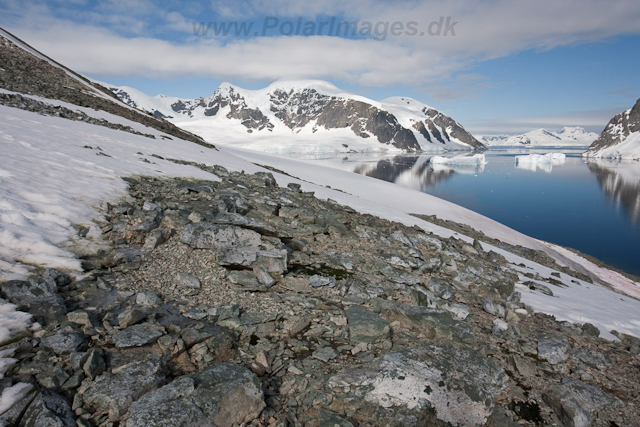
(48, 409)
(366, 326)
(203, 235)
(114, 393)
(318, 281)
(137, 335)
(331, 419)
(185, 280)
(435, 323)
(576, 404)
(554, 350)
(63, 342)
(223, 395)
(493, 308)
(148, 299)
(441, 288)
(37, 296)
(592, 358)
(167, 406)
(131, 316)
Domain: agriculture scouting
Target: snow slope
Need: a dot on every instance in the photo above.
(51, 182)
(567, 137)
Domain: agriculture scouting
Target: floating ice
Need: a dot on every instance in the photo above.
(549, 158)
(476, 159)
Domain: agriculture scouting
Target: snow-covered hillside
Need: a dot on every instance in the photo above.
(567, 137)
(307, 116)
(52, 185)
(620, 139)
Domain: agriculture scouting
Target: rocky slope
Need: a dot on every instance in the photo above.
(567, 137)
(239, 302)
(620, 139)
(303, 110)
(24, 70)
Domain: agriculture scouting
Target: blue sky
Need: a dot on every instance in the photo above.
(506, 66)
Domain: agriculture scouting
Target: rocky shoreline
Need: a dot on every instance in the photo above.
(238, 302)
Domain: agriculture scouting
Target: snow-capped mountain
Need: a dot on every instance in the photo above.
(308, 116)
(620, 139)
(569, 136)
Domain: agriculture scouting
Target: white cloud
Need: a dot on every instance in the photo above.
(117, 41)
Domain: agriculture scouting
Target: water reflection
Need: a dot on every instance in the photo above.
(413, 171)
(621, 182)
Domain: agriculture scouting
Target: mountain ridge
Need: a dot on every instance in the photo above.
(569, 136)
(620, 139)
(299, 109)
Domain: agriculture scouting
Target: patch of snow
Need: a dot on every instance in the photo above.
(579, 301)
(13, 323)
(12, 395)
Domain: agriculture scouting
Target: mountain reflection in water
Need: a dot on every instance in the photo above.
(413, 171)
(621, 182)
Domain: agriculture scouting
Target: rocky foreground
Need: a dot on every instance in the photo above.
(239, 302)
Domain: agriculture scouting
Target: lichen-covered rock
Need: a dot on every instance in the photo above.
(456, 386)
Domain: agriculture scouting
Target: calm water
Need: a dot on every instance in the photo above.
(591, 206)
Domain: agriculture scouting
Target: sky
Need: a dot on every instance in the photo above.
(495, 66)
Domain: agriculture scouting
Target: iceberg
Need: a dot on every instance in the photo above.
(476, 159)
(549, 158)
(543, 162)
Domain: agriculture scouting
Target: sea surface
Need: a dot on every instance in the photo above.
(589, 205)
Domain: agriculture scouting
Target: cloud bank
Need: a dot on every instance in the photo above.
(155, 39)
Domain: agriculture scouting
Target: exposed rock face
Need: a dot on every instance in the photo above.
(616, 131)
(298, 108)
(448, 128)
